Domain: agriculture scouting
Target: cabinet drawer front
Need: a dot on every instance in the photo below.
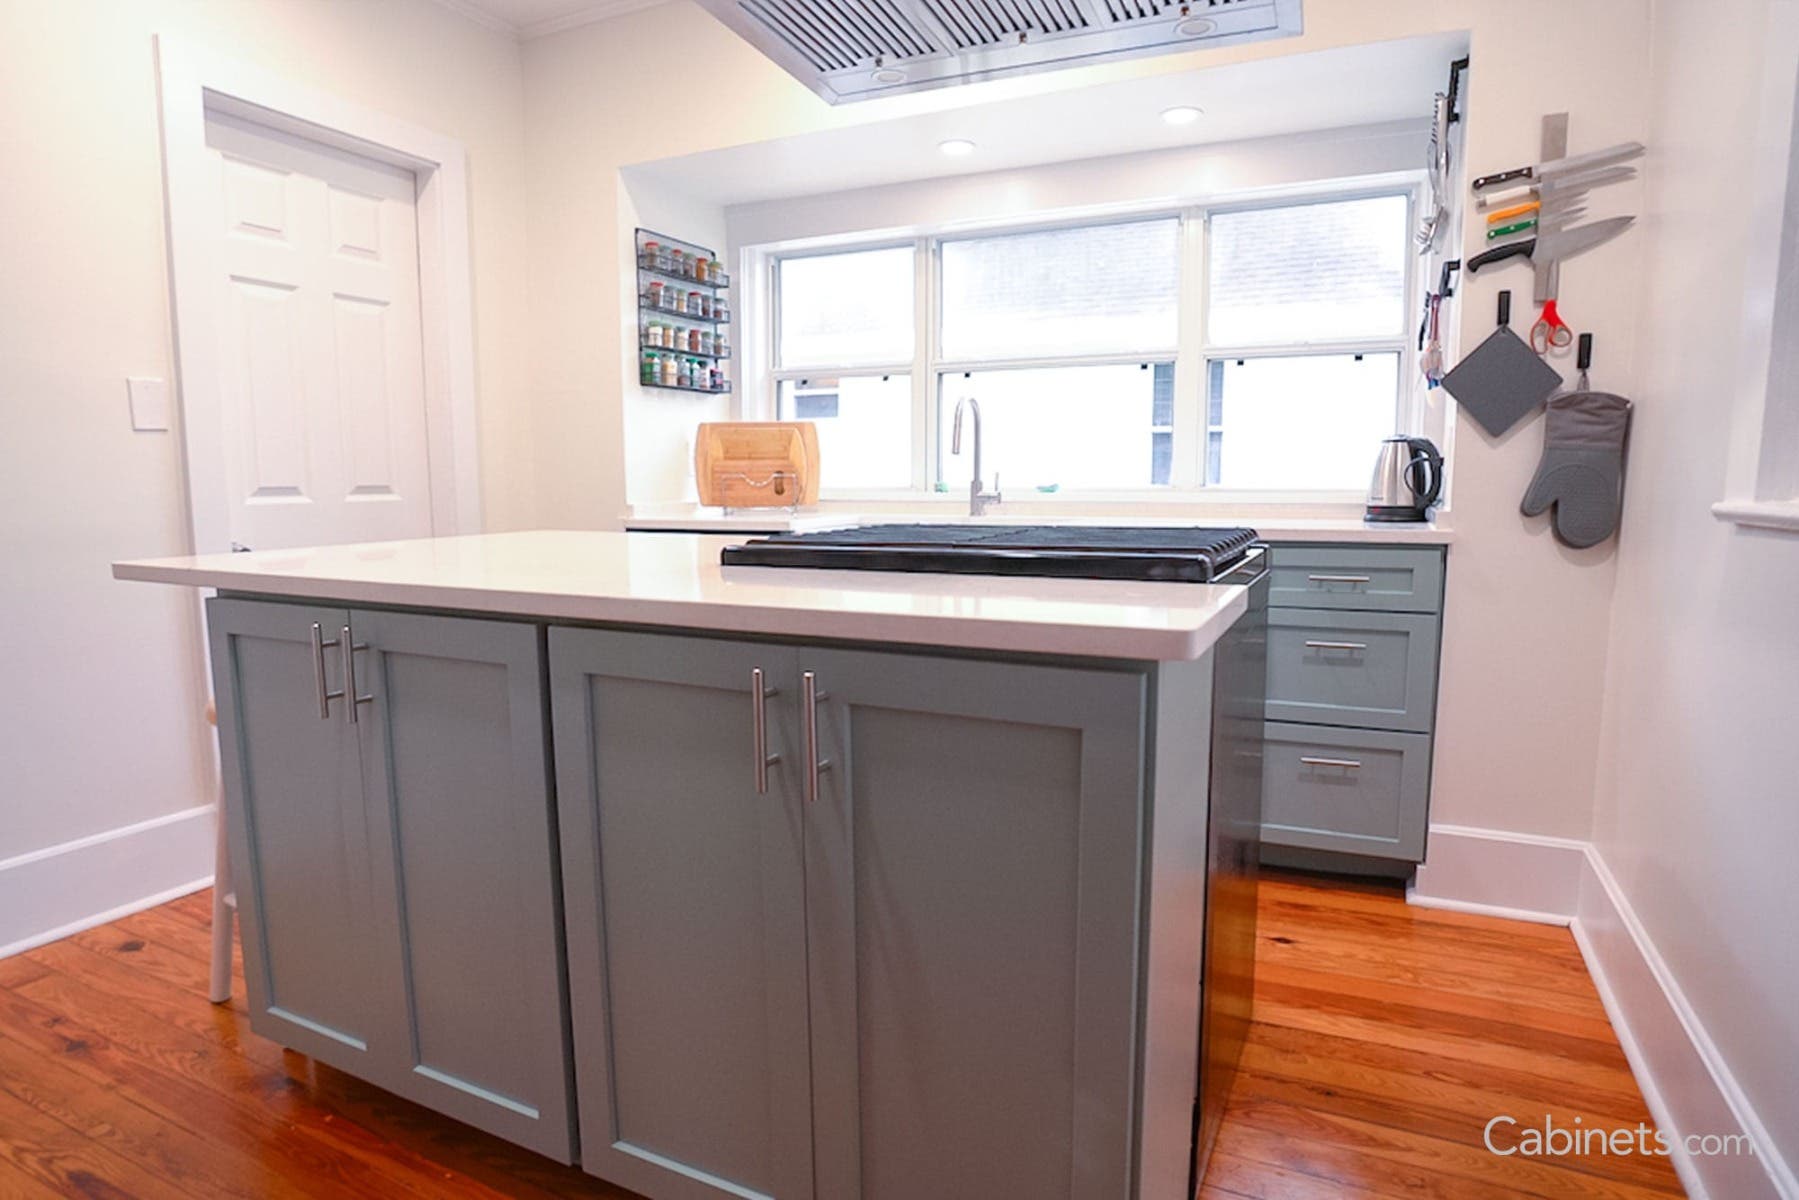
(1382, 578)
(1372, 670)
(1353, 790)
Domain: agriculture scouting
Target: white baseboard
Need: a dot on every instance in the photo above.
(51, 893)
(1686, 1083)
(1689, 1087)
(1516, 875)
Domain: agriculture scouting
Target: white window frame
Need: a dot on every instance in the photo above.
(1192, 353)
(1762, 472)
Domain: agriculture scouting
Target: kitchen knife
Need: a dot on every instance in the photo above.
(1564, 185)
(1537, 210)
(1555, 220)
(1555, 168)
(1555, 246)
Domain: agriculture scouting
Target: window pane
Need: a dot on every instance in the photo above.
(1107, 289)
(864, 428)
(841, 310)
(1312, 272)
(1075, 427)
(1301, 423)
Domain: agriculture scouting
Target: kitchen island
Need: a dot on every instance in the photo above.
(738, 881)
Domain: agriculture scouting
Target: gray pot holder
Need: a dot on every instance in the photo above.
(1582, 472)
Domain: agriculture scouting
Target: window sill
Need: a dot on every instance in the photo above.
(1779, 515)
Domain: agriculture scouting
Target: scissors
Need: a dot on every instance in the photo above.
(1550, 331)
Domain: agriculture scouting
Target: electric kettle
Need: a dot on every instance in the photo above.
(1408, 478)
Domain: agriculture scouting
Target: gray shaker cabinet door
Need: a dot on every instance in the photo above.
(973, 885)
(685, 908)
(456, 767)
(298, 834)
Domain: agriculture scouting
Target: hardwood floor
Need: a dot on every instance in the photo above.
(1385, 1039)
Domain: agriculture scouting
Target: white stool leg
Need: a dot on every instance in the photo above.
(223, 910)
(222, 915)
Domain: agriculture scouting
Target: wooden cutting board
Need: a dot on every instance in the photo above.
(756, 464)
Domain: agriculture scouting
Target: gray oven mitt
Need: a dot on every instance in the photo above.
(1582, 472)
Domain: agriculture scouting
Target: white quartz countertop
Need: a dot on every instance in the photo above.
(676, 580)
(695, 519)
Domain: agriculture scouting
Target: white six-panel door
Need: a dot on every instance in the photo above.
(320, 344)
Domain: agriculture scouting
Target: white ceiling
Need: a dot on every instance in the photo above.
(534, 18)
(1291, 93)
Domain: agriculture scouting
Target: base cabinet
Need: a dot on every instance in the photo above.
(906, 968)
(389, 803)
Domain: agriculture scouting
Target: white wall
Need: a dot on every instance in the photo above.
(100, 713)
(1698, 810)
(1526, 623)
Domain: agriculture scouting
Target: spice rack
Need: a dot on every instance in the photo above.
(683, 316)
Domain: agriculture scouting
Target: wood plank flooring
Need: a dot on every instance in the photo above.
(1385, 1038)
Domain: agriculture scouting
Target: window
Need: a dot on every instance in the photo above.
(1254, 348)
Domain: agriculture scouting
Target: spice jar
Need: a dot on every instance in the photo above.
(701, 268)
(721, 345)
(696, 304)
(646, 257)
(721, 309)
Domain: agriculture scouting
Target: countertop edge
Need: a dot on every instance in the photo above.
(958, 633)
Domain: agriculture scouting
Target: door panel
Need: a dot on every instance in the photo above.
(456, 762)
(320, 340)
(973, 889)
(686, 927)
(298, 836)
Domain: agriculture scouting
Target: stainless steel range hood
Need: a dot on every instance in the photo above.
(860, 49)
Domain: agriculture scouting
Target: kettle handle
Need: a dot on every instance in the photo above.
(1425, 455)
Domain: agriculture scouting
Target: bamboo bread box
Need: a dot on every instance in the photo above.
(756, 464)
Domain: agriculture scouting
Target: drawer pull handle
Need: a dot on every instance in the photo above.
(759, 694)
(1348, 764)
(1340, 578)
(809, 698)
(1336, 645)
(319, 645)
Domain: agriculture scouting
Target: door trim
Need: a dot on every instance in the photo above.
(190, 83)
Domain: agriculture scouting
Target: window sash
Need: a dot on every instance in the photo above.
(1192, 354)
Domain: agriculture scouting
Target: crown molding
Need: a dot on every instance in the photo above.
(600, 10)
(480, 16)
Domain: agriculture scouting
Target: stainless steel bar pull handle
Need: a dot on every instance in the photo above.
(1348, 764)
(759, 694)
(319, 643)
(1336, 645)
(349, 648)
(814, 764)
(1339, 578)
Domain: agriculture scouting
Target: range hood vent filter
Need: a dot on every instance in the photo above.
(860, 49)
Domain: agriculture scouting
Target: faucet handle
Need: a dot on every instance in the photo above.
(996, 485)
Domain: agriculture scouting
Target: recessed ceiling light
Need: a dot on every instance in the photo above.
(1184, 114)
(957, 147)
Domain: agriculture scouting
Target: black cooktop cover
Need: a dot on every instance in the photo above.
(1127, 552)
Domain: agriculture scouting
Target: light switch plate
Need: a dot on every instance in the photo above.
(149, 404)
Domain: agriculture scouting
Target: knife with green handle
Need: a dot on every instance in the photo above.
(1555, 246)
(1554, 220)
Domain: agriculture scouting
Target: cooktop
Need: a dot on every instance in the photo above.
(1183, 555)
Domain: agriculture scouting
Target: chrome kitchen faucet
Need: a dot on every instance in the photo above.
(977, 499)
